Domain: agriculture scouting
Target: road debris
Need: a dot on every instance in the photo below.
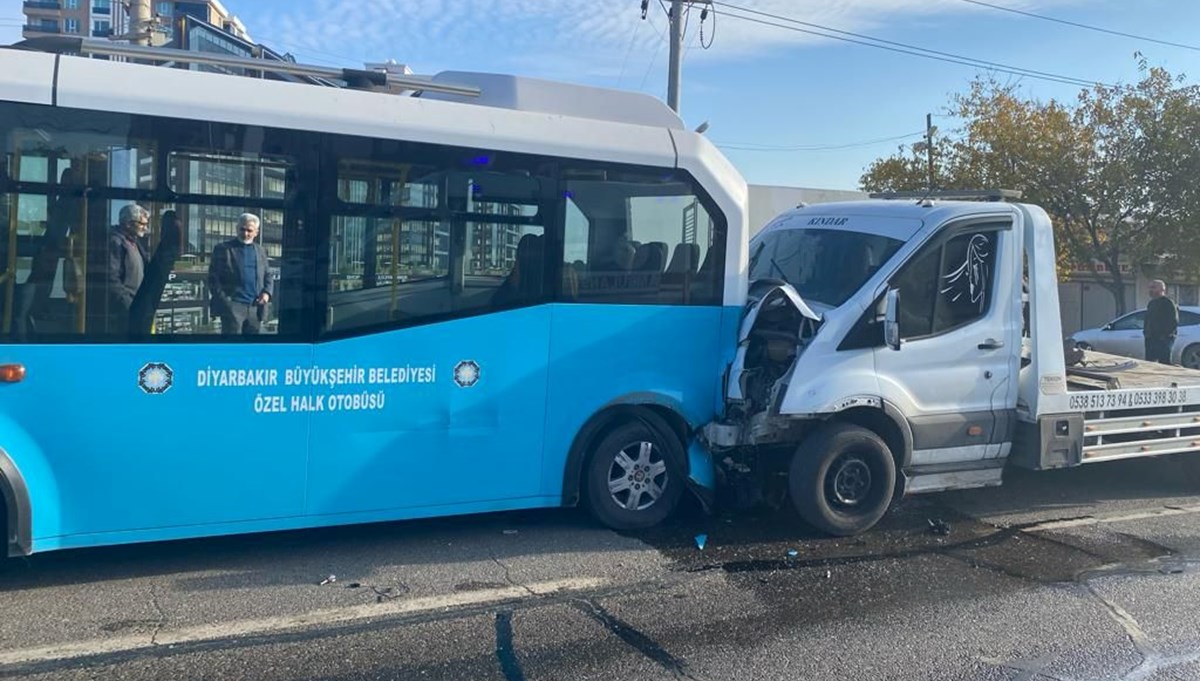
(387, 593)
(328, 580)
(939, 527)
(701, 540)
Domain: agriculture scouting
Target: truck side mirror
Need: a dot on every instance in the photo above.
(891, 319)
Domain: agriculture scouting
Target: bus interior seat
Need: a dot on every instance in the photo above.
(685, 259)
(525, 281)
(651, 257)
(705, 282)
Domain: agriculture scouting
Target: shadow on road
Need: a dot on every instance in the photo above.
(770, 539)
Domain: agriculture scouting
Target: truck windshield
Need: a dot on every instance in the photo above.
(825, 266)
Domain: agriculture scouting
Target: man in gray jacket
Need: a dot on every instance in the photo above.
(240, 281)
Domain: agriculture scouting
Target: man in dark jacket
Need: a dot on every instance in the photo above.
(126, 264)
(1162, 323)
(240, 282)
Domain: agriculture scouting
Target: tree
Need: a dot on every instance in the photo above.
(1116, 171)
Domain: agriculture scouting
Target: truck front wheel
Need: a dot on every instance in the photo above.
(841, 479)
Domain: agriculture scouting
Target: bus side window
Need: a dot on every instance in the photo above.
(421, 233)
(114, 239)
(72, 164)
(643, 238)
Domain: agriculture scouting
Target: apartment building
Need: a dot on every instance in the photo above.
(106, 18)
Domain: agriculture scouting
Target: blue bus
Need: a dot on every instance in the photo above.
(237, 304)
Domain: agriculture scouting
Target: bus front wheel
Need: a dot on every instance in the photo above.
(841, 479)
(631, 482)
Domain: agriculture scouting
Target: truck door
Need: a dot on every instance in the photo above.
(955, 373)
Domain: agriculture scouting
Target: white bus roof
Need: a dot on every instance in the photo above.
(521, 93)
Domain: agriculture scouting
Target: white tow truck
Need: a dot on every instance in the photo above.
(904, 345)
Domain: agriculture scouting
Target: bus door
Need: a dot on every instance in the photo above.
(134, 413)
(432, 357)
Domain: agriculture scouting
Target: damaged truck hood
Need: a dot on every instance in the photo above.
(764, 294)
(766, 297)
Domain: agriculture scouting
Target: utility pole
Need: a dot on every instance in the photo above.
(929, 129)
(674, 76)
(676, 42)
(140, 22)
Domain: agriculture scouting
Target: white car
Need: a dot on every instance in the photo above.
(1123, 336)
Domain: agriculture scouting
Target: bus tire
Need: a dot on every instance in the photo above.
(841, 479)
(632, 481)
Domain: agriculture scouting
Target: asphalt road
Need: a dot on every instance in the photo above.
(1090, 574)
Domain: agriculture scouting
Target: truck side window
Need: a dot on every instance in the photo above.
(948, 285)
(965, 284)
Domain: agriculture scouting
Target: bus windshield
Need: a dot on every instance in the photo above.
(825, 266)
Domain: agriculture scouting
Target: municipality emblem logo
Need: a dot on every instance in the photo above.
(467, 373)
(155, 378)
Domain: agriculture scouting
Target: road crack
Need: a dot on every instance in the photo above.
(509, 578)
(1151, 660)
(1133, 630)
(162, 615)
(1030, 670)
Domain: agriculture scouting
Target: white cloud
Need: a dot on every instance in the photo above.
(579, 40)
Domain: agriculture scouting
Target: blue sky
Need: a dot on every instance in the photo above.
(756, 85)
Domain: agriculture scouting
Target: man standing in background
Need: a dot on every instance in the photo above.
(1161, 325)
(126, 264)
(239, 280)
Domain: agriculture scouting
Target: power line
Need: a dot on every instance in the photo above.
(658, 48)
(902, 48)
(815, 147)
(310, 51)
(1079, 25)
(632, 38)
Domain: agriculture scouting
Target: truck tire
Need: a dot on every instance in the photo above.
(631, 482)
(841, 479)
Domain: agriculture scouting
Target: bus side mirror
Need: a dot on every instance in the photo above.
(891, 319)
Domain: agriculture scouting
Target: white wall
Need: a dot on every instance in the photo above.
(1086, 304)
(767, 201)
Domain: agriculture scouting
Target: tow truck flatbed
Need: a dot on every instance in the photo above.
(1102, 371)
(1132, 408)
